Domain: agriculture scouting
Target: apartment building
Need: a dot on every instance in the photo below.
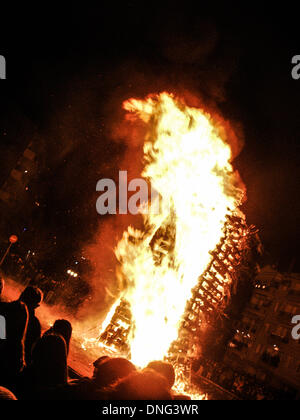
(263, 344)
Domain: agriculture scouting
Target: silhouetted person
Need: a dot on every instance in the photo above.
(32, 297)
(99, 361)
(165, 369)
(111, 370)
(168, 372)
(144, 385)
(107, 371)
(47, 376)
(49, 361)
(64, 328)
(12, 354)
(86, 388)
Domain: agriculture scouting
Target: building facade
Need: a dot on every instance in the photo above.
(263, 344)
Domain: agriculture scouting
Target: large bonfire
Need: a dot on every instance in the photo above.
(182, 263)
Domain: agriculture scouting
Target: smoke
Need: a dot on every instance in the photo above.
(100, 250)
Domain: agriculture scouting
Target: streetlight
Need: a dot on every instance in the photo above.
(72, 273)
(13, 239)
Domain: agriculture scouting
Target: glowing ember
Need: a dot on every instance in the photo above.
(188, 164)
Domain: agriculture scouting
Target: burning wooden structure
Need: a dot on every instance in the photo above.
(232, 256)
(180, 270)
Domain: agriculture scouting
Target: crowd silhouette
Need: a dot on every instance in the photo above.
(34, 366)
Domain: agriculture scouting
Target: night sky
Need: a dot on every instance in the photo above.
(68, 71)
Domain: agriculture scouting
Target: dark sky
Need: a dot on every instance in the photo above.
(69, 70)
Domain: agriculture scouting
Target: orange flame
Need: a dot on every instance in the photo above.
(188, 163)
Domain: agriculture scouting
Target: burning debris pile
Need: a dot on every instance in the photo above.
(182, 266)
(116, 335)
(210, 296)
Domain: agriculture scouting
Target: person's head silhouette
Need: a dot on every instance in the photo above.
(32, 297)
